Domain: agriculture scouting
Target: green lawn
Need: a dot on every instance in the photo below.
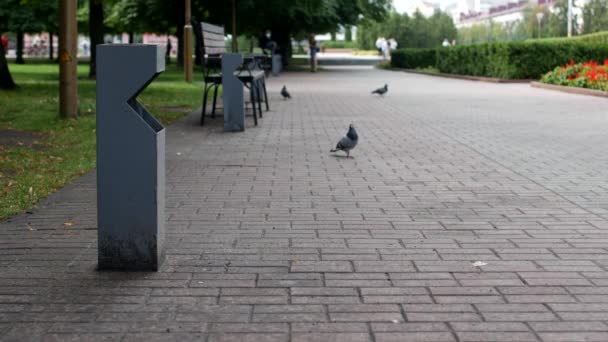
(45, 151)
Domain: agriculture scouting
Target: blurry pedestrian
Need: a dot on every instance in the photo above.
(85, 48)
(385, 50)
(266, 43)
(392, 44)
(313, 49)
(445, 42)
(4, 42)
(168, 51)
(379, 45)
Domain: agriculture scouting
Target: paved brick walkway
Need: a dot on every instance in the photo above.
(272, 238)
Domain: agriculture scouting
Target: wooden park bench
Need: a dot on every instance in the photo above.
(210, 39)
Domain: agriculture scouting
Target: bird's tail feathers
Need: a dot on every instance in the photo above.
(334, 150)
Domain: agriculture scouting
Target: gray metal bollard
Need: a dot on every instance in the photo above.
(130, 160)
(277, 64)
(232, 88)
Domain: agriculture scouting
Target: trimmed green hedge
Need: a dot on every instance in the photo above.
(597, 37)
(508, 60)
(339, 44)
(516, 60)
(413, 58)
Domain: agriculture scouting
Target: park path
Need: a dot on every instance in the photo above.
(471, 212)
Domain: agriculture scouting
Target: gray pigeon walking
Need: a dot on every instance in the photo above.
(381, 91)
(285, 93)
(349, 142)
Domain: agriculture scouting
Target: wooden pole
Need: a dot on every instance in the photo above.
(68, 48)
(235, 44)
(188, 44)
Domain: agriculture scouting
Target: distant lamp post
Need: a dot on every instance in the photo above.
(539, 17)
(569, 18)
(188, 42)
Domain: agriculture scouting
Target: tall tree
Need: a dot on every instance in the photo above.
(595, 16)
(296, 18)
(556, 24)
(96, 31)
(6, 80)
(26, 16)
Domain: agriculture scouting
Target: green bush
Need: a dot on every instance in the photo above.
(413, 58)
(339, 44)
(516, 60)
(597, 37)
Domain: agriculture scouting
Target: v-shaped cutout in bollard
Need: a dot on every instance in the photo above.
(130, 160)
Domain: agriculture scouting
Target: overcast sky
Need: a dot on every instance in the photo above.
(401, 5)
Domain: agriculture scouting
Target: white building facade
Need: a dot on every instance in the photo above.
(467, 13)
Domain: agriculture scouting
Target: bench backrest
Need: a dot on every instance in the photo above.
(212, 39)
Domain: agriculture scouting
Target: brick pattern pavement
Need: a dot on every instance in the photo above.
(272, 238)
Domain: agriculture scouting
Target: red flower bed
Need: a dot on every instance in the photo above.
(592, 75)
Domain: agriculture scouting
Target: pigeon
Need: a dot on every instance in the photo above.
(381, 91)
(285, 93)
(348, 142)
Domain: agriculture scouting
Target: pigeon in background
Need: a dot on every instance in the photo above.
(348, 142)
(285, 93)
(381, 91)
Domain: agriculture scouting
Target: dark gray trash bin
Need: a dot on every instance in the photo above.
(277, 64)
(130, 160)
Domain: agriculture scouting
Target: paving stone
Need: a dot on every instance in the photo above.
(511, 336)
(270, 237)
(330, 337)
(415, 337)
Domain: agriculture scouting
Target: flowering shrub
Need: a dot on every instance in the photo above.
(590, 75)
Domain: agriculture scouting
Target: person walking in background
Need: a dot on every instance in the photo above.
(392, 44)
(385, 49)
(85, 48)
(379, 45)
(4, 42)
(266, 43)
(313, 49)
(445, 42)
(168, 51)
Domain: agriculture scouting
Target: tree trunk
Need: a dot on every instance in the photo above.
(180, 46)
(131, 37)
(51, 46)
(95, 32)
(181, 21)
(6, 80)
(19, 59)
(282, 36)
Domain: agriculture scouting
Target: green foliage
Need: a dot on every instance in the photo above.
(409, 32)
(595, 16)
(414, 58)
(28, 15)
(515, 60)
(597, 37)
(348, 33)
(63, 149)
(339, 45)
(491, 32)
(553, 24)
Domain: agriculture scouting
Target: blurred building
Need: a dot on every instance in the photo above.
(427, 8)
(471, 12)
